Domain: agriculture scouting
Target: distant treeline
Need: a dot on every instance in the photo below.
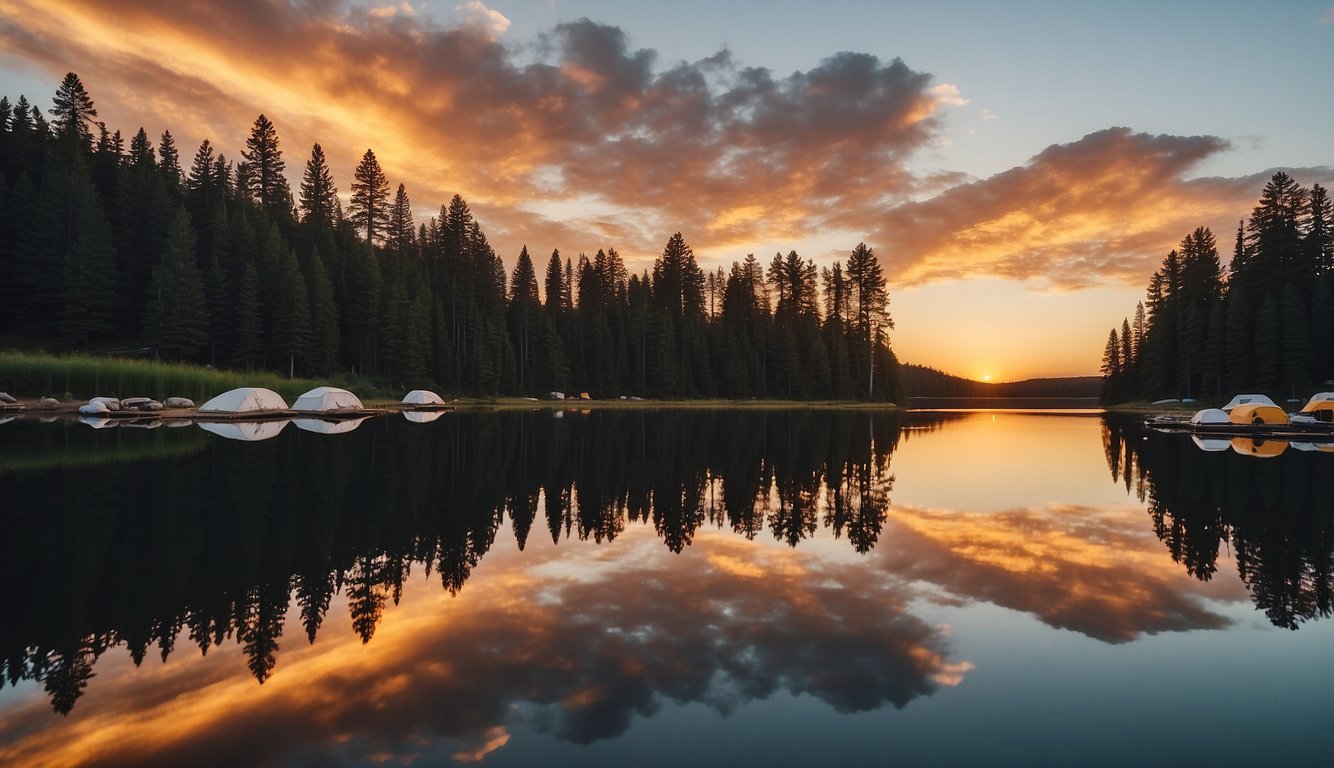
(921, 381)
(1267, 325)
(104, 245)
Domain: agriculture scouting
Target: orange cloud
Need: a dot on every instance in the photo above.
(578, 114)
(578, 140)
(1101, 210)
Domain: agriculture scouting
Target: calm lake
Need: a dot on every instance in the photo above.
(665, 588)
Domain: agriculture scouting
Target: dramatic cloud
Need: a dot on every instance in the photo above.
(579, 140)
(1105, 208)
(726, 151)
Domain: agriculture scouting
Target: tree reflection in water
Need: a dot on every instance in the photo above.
(183, 533)
(1276, 513)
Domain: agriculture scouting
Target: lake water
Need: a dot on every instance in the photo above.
(663, 588)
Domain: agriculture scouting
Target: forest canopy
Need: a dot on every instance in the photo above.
(1265, 324)
(116, 244)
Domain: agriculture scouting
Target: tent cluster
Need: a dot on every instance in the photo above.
(1260, 410)
(255, 413)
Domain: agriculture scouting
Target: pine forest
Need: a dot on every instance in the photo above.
(121, 246)
(1266, 324)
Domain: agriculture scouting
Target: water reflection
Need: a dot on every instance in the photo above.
(538, 646)
(1269, 504)
(209, 547)
(755, 553)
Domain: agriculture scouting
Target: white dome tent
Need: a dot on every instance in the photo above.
(1210, 416)
(245, 400)
(422, 397)
(327, 400)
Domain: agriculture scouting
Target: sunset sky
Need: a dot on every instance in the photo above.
(1020, 168)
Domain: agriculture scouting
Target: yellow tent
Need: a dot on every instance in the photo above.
(1258, 413)
(1262, 449)
(1322, 406)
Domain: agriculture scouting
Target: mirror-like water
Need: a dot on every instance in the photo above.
(711, 587)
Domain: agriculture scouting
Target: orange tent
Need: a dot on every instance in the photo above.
(1258, 413)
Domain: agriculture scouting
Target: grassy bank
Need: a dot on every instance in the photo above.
(79, 377)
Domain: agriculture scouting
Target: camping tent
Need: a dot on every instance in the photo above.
(245, 431)
(1257, 413)
(328, 427)
(422, 397)
(325, 399)
(1321, 405)
(1241, 400)
(1210, 416)
(422, 417)
(245, 400)
(1261, 449)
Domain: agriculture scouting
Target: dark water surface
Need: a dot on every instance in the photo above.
(683, 587)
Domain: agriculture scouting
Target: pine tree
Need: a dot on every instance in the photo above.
(201, 191)
(141, 151)
(1274, 242)
(369, 208)
(399, 231)
(524, 317)
(264, 180)
(72, 114)
(170, 162)
(869, 303)
(1111, 368)
(1319, 231)
(177, 318)
(318, 194)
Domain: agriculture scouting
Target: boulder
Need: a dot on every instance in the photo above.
(179, 402)
(48, 402)
(133, 403)
(94, 407)
(112, 404)
(7, 398)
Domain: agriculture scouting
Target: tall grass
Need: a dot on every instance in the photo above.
(83, 376)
